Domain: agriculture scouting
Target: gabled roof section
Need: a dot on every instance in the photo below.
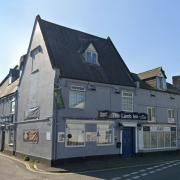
(87, 46)
(7, 90)
(14, 72)
(65, 46)
(152, 73)
(144, 85)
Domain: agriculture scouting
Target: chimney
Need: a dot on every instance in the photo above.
(176, 81)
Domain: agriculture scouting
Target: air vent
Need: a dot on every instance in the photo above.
(117, 90)
(92, 87)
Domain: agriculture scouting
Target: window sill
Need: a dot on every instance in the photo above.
(81, 109)
(157, 149)
(151, 121)
(105, 144)
(12, 113)
(66, 146)
(171, 122)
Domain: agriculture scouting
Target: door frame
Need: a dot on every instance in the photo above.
(129, 124)
(3, 134)
(131, 151)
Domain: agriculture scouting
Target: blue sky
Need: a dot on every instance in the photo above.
(145, 32)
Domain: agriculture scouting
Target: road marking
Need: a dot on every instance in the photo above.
(136, 177)
(30, 169)
(144, 174)
(152, 172)
(116, 178)
(134, 173)
(126, 175)
(142, 170)
(158, 169)
(37, 170)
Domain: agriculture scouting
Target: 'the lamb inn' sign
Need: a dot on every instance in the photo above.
(122, 115)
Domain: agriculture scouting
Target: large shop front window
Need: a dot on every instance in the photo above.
(127, 101)
(77, 97)
(104, 134)
(159, 137)
(75, 135)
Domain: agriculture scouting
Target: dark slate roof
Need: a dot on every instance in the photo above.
(151, 73)
(14, 72)
(170, 88)
(65, 47)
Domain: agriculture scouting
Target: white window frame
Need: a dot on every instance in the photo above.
(9, 80)
(33, 54)
(78, 89)
(66, 133)
(171, 119)
(91, 52)
(122, 96)
(12, 111)
(161, 83)
(110, 144)
(152, 120)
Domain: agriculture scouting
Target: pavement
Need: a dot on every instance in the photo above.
(156, 167)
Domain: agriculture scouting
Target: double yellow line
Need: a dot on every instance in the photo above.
(35, 169)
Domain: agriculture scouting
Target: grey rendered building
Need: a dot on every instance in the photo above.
(8, 109)
(77, 98)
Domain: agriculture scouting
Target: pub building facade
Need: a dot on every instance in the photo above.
(77, 98)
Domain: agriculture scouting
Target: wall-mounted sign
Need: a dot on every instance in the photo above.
(61, 137)
(122, 115)
(31, 136)
(48, 136)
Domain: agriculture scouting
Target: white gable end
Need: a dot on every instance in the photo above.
(91, 48)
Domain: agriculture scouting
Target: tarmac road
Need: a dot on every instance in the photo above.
(13, 170)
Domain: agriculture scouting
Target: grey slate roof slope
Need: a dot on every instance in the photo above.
(10, 89)
(170, 88)
(12, 72)
(65, 47)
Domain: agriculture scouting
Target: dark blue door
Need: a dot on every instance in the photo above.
(128, 141)
(2, 140)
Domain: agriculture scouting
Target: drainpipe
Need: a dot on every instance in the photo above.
(15, 123)
(54, 122)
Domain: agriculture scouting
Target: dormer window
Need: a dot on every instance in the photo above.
(161, 83)
(91, 56)
(10, 80)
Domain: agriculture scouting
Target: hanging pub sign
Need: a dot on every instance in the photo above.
(122, 115)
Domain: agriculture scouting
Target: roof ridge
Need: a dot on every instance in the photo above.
(79, 31)
(160, 67)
